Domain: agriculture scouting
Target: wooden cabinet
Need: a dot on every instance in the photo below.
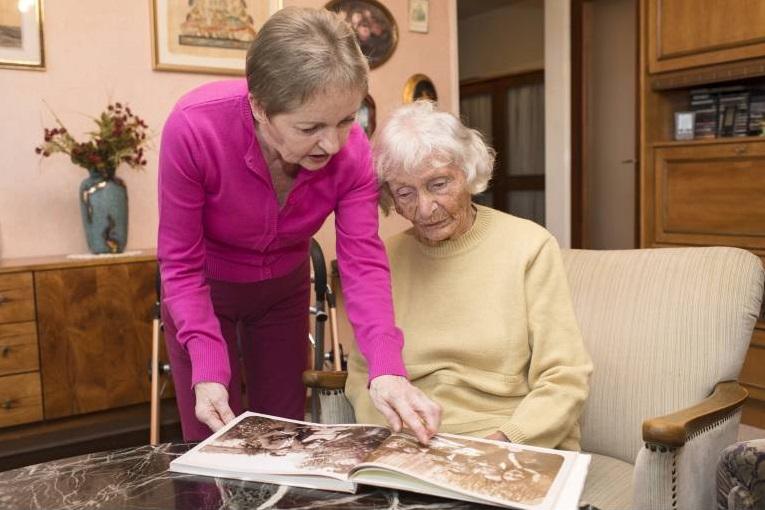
(75, 336)
(683, 34)
(711, 191)
(708, 194)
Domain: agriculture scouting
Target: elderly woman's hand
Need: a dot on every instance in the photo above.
(498, 436)
(399, 401)
(212, 407)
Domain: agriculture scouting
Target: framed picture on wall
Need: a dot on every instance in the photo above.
(367, 116)
(418, 16)
(419, 86)
(374, 26)
(206, 36)
(21, 34)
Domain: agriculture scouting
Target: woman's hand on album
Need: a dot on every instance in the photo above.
(212, 407)
(498, 436)
(402, 404)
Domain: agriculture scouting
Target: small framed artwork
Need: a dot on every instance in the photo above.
(206, 36)
(418, 16)
(684, 124)
(419, 86)
(366, 116)
(21, 34)
(374, 26)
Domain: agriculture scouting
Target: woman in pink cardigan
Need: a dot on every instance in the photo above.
(248, 173)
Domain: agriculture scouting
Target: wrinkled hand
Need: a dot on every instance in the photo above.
(212, 407)
(498, 436)
(399, 401)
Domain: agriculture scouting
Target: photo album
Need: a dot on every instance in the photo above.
(263, 448)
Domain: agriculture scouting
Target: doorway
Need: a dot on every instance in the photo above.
(605, 143)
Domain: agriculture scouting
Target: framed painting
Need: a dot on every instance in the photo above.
(374, 26)
(418, 16)
(366, 116)
(419, 86)
(21, 34)
(206, 36)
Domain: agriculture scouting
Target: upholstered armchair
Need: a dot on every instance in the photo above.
(668, 330)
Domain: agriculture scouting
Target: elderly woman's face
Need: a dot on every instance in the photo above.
(435, 200)
(311, 134)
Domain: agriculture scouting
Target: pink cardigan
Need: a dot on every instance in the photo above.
(219, 219)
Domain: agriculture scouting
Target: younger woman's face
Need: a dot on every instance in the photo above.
(314, 132)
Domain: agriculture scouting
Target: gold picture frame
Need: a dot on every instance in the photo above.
(374, 25)
(187, 36)
(21, 35)
(419, 86)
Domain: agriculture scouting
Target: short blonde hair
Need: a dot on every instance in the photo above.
(300, 52)
(417, 135)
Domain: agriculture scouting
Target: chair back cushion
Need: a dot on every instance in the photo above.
(663, 326)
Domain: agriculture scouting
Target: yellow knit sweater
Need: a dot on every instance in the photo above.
(490, 333)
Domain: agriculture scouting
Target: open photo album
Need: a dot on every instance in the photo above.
(267, 449)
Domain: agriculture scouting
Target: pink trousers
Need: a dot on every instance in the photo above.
(265, 325)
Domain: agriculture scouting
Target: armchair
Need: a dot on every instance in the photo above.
(668, 330)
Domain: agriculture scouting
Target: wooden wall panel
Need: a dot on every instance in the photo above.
(95, 336)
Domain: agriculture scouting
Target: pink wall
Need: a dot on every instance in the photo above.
(97, 51)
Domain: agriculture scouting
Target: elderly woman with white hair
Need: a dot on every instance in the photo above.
(481, 295)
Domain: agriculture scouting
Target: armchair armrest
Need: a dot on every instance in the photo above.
(324, 379)
(673, 430)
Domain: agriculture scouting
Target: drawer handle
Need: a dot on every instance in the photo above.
(7, 403)
(740, 151)
(5, 351)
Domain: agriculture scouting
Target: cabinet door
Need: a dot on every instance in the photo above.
(94, 326)
(690, 33)
(705, 195)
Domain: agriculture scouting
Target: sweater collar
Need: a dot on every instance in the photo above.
(463, 243)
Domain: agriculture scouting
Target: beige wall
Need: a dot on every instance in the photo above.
(502, 41)
(100, 50)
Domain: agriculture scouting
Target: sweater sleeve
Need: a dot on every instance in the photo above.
(365, 274)
(559, 367)
(181, 253)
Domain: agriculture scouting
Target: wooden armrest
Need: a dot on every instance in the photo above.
(324, 379)
(673, 430)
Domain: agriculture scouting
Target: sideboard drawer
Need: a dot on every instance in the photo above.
(17, 302)
(20, 399)
(18, 348)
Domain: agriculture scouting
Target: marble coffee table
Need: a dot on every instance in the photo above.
(137, 479)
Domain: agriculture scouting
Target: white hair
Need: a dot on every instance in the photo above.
(417, 136)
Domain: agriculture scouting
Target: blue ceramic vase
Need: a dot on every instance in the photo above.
(104, 208)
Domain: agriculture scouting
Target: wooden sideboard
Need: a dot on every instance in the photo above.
(75, 335)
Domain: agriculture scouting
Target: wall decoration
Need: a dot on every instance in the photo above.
(419, 86)
(21, 34)
(418, 16)
(206, 36)
(367, 115)
(374, 26)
